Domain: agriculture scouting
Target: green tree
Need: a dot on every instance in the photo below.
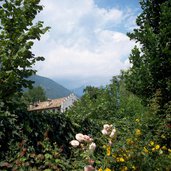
(92, 91)
(151, 61)
(17, 35)
(35, 94)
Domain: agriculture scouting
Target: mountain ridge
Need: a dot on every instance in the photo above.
(52, 89)
(79, 91)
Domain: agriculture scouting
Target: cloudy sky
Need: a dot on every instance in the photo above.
(87, 42)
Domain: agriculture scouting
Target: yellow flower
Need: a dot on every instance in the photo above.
(157, 147)
(145, 150)
(137, 120)
(153, 149)
(151, 143)
(120, 159)
(108, 151)
(100, 169)
(124, 168)
(169, 150)
(133, 167)
(164, 148)
(107, 169)
(138, 132)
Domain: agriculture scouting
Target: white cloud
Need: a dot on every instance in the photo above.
(79, 45)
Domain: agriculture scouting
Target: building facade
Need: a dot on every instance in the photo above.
(54, 105)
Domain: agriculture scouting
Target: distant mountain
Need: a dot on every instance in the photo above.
(79, 91)
(53, 90)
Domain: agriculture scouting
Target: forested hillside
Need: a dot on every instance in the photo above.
(52, 89)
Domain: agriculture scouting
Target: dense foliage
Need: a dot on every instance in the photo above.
(34, 95)
(151, 60)
(30, 133)
(17, 33)
(109, 128)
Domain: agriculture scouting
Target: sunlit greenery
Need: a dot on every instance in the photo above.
(125, 125)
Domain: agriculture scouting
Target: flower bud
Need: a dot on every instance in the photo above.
(92, 147)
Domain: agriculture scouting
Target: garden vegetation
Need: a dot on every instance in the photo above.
(123, 126)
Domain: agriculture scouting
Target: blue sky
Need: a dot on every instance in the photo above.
(108, 4)
(87, 42)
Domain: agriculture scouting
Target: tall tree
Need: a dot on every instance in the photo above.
(17, 35)
(35, 94)
(92, 91)
(151, 61)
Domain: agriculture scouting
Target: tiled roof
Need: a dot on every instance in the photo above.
(49, 104)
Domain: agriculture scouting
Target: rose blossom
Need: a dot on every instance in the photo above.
(106, 126)
(104, 132)
(113, 133)
(91, 161)
(88, 168)
(87, 138)
(74, 143)
(79, 137)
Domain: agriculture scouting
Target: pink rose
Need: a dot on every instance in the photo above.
(89, 168)
(87, 138)
(91, 161)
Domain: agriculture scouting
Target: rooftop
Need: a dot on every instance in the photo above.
(49, 104)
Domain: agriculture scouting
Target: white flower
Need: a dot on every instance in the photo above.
(79, 137)
(74, 143)
(88, 168)
(106, 126)
(113, 133)
(104, 132)
(92, 147)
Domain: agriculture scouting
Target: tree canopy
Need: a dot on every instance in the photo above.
(17, 35)
(151, 59)
(35, 94)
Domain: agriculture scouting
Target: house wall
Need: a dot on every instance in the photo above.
(68, 102)
(52, 110)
